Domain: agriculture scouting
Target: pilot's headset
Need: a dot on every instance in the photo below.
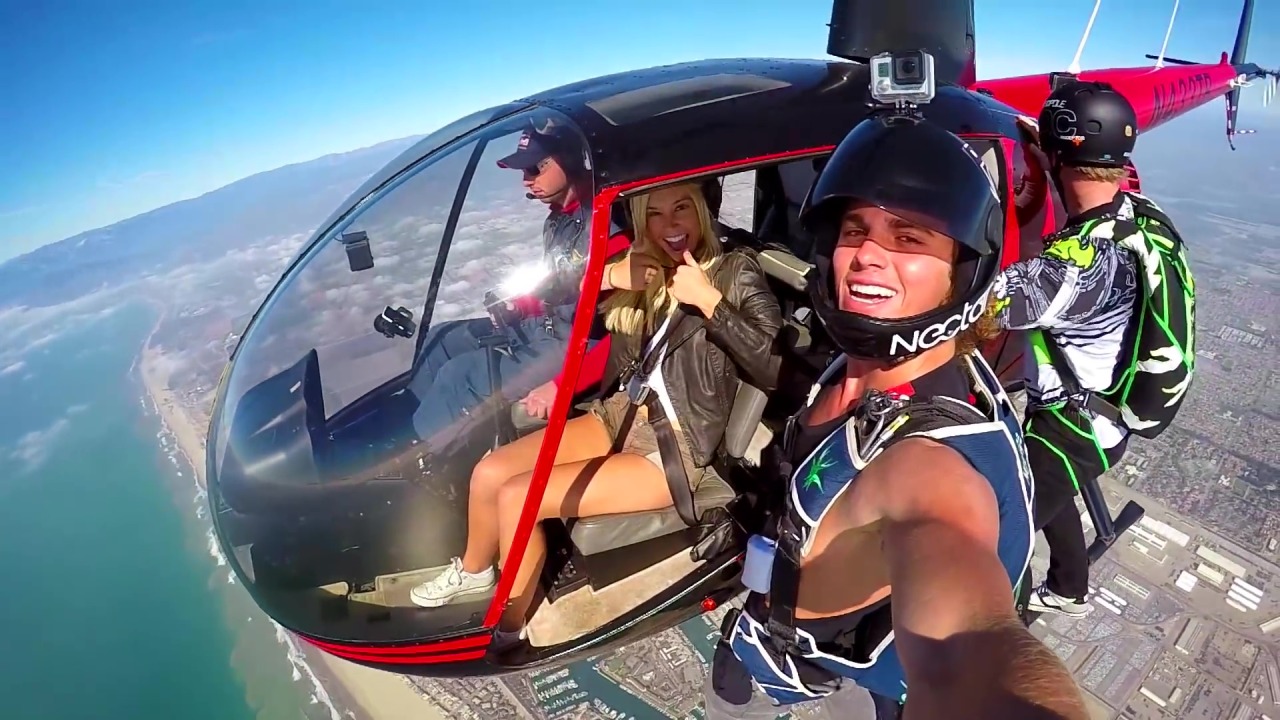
(910, 167)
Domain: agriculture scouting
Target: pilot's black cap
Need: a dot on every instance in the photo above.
(531, 150)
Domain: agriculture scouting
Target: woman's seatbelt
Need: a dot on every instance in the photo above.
(636, 380)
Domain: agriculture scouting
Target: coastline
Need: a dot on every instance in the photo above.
(379, 694)
(376, 695)
(156, 380)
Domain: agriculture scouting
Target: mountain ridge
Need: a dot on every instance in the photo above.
(283, 201)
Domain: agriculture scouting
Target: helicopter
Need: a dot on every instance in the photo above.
(320, 499)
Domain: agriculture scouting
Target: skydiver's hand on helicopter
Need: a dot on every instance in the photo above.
(690, 285)
(633, 272)
(1031, 127)
(538, 402)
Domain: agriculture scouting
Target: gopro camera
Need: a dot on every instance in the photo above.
(903, 78)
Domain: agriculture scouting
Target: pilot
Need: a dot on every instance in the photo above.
(897, 584)
(555, 174)
(454, 376)
(1079, 298)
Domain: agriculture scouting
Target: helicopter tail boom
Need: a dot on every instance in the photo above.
(1245, 72)
(1170, 89)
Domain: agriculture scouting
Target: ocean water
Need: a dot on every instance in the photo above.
(113, 605)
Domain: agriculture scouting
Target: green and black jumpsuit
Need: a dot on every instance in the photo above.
(1080, 295)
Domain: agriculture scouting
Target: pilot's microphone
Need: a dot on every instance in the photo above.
(529, 196)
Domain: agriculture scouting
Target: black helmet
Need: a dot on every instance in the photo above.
(910, 166)
(1088, 124)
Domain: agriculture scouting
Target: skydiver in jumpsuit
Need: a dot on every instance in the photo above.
(1079, 298)
(905, 558)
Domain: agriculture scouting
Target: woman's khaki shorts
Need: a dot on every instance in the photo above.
(640, 438)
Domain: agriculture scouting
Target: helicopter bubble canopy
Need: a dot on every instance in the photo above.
(380, 370)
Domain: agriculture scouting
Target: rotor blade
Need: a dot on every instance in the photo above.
(1074, 68)
(1167, 34)
(1172, 61)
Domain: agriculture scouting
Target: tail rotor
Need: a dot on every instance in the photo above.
(1270, 83)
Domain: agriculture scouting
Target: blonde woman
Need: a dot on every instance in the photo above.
(724, 330)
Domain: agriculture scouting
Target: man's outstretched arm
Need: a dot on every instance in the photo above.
(965, 652)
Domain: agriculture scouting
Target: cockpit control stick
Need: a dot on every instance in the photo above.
(395, 321)
(495, 343)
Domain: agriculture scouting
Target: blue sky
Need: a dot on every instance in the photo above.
(120, 107)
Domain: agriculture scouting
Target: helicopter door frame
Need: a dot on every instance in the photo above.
(446, 241)
(558, 415)
(996, 155)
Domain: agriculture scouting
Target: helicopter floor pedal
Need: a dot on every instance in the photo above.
(564, 570)
(570, 577)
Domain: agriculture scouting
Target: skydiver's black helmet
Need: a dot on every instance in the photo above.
(908, 166)
(1088, 124)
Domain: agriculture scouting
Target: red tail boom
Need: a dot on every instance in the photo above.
(1158, 95)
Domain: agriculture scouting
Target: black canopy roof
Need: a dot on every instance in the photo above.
(675, 118)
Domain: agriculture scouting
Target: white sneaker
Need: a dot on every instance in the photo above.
(1044, 600)
(452, 584)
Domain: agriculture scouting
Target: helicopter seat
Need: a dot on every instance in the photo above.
(603, 533)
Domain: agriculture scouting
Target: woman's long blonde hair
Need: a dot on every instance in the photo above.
(636, 312)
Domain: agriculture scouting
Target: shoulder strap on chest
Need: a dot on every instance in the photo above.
(1144, 208)
(897, 420)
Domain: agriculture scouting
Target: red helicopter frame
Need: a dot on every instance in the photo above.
(316, 498)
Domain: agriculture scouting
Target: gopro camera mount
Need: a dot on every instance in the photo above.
(903, 79)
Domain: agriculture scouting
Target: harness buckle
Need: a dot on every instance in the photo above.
(873, 413)
(788, 533)
(638, 389)
(782, 638)
(727, 625)
(877, 405)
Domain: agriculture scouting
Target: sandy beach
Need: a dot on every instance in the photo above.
(381, 695)
(190, 439)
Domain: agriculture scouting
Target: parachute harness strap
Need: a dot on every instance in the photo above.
(873, 415)
(880, 420)
(1076, 394)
